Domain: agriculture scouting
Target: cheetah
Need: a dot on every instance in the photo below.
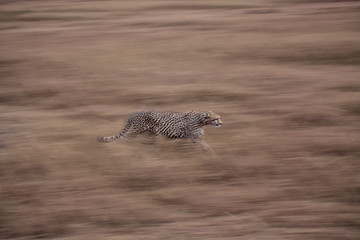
(187, 125)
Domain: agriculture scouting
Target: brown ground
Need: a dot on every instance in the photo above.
(283, 74)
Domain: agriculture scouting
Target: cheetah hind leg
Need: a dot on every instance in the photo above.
(149, 138)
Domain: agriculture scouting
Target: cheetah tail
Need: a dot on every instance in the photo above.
(107, 139)
(117, 136)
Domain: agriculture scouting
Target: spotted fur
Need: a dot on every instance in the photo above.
(171, 125)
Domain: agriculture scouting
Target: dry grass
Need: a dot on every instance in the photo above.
(283, 74)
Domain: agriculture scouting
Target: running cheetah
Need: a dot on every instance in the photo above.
(171, 125)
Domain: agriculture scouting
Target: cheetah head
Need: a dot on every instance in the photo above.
(212, 118)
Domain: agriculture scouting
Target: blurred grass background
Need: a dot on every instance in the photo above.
(284, 75)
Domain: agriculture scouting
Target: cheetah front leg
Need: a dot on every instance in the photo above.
(203, 144)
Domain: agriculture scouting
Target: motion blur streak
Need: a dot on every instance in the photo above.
(283, 74)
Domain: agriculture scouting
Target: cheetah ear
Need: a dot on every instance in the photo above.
(209, 113)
